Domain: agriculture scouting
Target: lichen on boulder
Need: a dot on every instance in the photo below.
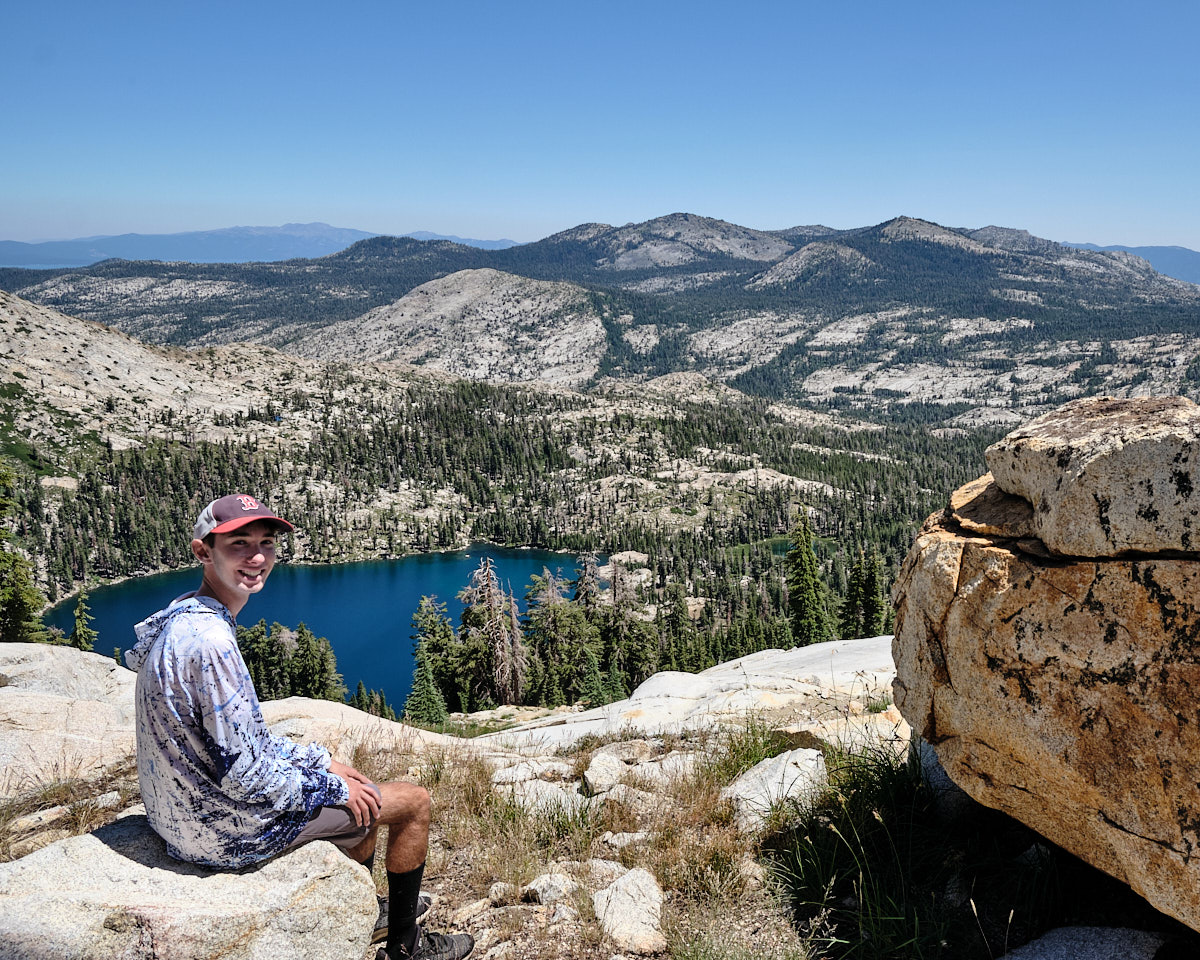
(1062, 689)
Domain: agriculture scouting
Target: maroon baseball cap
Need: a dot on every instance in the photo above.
(233, 511)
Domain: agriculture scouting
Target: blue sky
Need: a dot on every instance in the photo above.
(1074, 120)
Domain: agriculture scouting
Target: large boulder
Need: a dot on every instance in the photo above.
(770, 683)
(116, 893)
(1108, 476)
(345, 730)
(1063, 691)
(64, 715)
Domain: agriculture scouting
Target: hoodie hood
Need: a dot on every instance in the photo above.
(152, 627)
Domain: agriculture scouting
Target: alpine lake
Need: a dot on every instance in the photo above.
(365, 609)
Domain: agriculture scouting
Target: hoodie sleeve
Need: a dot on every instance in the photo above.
(251, 764)
(311, 756)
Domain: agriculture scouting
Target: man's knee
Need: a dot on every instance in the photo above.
(405, 803)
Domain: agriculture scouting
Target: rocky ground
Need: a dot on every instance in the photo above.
(588, 796)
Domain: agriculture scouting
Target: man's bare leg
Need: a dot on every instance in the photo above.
(405, 808)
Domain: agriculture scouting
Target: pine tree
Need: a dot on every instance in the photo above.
(83, 637)
(20, 600)
(593, 688)
(806, 592)
(850, 617)
(425, 703)
(614, 685)
(432, 627)
(874, 607)
(587, 583)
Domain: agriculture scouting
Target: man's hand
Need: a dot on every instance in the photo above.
(364, 800)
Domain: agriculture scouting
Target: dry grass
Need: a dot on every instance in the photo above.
(482, 837)
(82, 814)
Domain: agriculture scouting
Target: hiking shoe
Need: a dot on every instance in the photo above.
(424, 902)
(435, 946)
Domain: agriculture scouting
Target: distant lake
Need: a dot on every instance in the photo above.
(365, 609)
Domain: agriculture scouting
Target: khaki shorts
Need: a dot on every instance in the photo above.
(335, 824)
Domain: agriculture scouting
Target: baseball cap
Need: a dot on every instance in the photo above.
(233, 511)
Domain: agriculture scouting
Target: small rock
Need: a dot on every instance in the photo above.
(790, 775)
(619, 841)
(540, 797)
(503, 893)
(465, 914)
(627, 751)
(549, 888)
(564, 913)
(1092, 943)
(533, 770)
(42, 818)
(108, 801)
(630, 909)
(640, 802)
(753, 873)
(603, 773)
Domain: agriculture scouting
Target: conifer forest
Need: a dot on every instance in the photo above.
(757, 530)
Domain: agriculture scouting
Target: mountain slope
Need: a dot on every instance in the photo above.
(872, 318)
(69, 383)
(479, 324)
(182, 303)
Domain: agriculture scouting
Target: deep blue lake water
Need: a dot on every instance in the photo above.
(365, 609)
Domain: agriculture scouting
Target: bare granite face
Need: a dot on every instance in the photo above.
(64, 714)
(481, 325)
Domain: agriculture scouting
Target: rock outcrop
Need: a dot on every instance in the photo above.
(64, 715)
(1062, 690)
(116, 890)
(817, 683)
(116, 893)
(1108, 477)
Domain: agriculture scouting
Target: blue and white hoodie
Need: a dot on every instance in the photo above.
(219, 787)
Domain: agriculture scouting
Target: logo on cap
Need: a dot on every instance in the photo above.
(248, 503)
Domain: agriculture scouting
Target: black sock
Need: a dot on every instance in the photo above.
(403, 891)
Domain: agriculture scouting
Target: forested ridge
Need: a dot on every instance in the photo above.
(445, 465)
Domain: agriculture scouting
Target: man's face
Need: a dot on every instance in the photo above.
(238, 563)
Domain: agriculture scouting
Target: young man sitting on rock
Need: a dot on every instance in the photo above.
(219, 787)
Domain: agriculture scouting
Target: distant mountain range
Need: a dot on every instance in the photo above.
(465, 241)
(292, 241)
(901, 319)
(1178, 262)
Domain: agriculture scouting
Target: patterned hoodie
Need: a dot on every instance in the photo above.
(219, 787)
